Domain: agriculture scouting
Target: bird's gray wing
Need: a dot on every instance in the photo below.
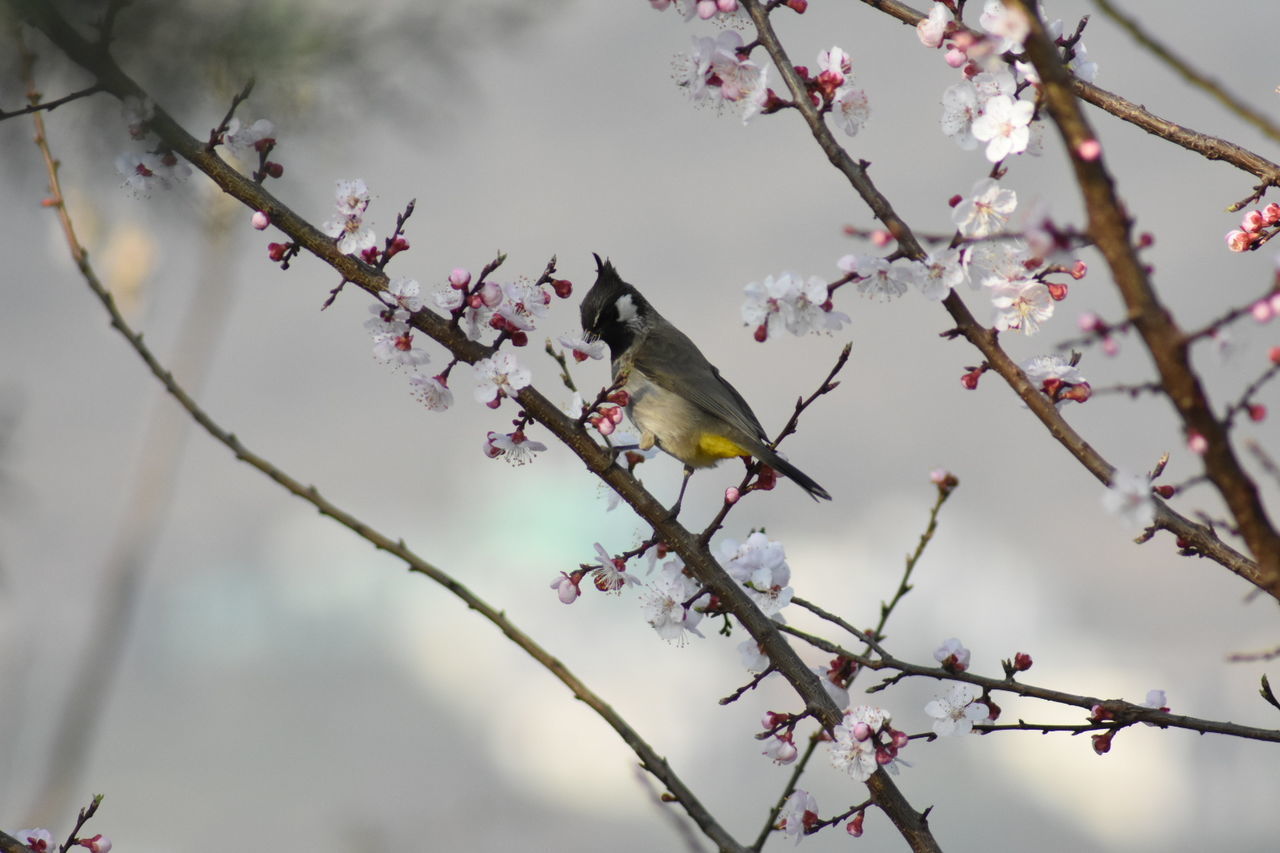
(675, 363)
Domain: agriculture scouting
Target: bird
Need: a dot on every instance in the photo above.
(676, 397)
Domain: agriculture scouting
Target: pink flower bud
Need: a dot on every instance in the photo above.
(1080, 392)
(488, 448)
(566, 588)
(1197, 443)
(605, 426)
(1079, 270)
(1238, 241)
(731, 495)
(1102, 742)
(1089, 150)
(1271, 213)
(98, 844)
(260, 220)
(1089, 322)
(1252, 221)
(1261, 310)
(761, 333)
(459, 279)
(1021, 662)
(727, 6)
(1110, 346)
(614, 414)
(1257, 412)
(955, 58)
(854, 827)
(861, 731)
(491, 294)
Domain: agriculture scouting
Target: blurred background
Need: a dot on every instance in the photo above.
(278, 681)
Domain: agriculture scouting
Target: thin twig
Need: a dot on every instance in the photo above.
(1184, 70)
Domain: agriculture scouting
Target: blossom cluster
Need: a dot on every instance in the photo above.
(157, 168)
(865, 742)
(994, 103)
(790, 302)
(42, 841)
(1256, 228)
(703, 9)
(511, 309)
(667, 598)
(718, 72)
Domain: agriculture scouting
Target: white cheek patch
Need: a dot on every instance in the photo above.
(629, 314)
(626, 308)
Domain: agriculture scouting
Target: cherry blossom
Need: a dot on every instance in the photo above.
(145, 172)
(39, 840)
(864, 742)
(760, 565)
(498, 377)
(515, 447)
(431, 391)
(850, 108)
(566, 587)
(781, 749)
(609, 574)
(347, 224)
(1011, 25)
(1058, 378)
(1003, 125)
(986, 210)
(878, 277)
(583, 349)
(956, 711)
(952, 655)
(1021, 306)
(1129, 497)
(940, 273)
(796, 304)
(799, 813)
(243, 139)
(960, 106)
(663, 603)
(933, 27)
(752, 656)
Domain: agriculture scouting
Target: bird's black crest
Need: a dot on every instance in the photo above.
(600, 318)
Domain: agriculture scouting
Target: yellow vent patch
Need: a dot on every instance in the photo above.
(720, 447)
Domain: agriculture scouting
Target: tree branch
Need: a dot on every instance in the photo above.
(1110, 227)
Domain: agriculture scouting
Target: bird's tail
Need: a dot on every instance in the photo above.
(771, 458)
